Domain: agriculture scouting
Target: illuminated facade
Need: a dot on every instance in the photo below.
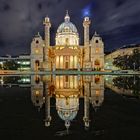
(67, 91)
(67, 54)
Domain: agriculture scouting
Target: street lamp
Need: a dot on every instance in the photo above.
(134, 80)
(134, 64)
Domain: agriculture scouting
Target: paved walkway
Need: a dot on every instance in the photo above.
(64, 72)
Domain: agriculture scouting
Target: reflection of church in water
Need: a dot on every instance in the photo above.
(67, 52)
(67, 91)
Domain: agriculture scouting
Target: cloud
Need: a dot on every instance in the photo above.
(21, 20)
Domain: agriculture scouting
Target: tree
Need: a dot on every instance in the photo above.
(128, 83)
(10, 65)
(128, 61)
(0, 66)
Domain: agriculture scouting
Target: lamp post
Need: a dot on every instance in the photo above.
(2, 65)
(134, 80)
(134, 64)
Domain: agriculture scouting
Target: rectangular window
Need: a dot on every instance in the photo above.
(67, 65)
(67, 78)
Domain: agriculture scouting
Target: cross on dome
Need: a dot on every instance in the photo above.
(67, 17)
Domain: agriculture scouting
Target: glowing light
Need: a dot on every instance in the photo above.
(86, 11)
(36, 51)
(57, 62)
(97, 50)
(71, 62)
(61, 62)
(61, 82)
(36, 92)
(97, 92)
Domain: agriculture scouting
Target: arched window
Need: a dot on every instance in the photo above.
(97, 62)
(37, 101)
(37, 93)
(37, 41)
(37, 63)
(97, 50)
(97, 80)
(97, 41)
(37, 80)
(97, 101)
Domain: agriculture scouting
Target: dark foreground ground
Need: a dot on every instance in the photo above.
(117, 119)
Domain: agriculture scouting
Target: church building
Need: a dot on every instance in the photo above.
(67, 54)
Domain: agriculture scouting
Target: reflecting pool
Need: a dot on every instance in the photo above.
(70, 106)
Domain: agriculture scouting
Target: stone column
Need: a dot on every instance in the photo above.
(47, 25)
(86, 24)
(86, 105)
(47, 107)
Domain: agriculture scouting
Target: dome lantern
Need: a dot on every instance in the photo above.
(67, 17)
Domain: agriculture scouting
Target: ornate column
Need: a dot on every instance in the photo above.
(47, 107)
(47, 25)
(86, 104)
(86, 24)
(59, 62)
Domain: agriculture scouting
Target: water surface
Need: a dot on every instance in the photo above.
(70, 107)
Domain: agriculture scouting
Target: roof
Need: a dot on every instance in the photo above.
(67, 26)
(67, 115)
(130, 46)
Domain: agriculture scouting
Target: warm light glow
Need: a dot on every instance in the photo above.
(97, 80)
(61, 62)
(71, 62)
(1, 81)
(57, 62)
(36, 92)
(75, 82)
(71, 82)
(57, 82)
(37, 51)
(61, 82)
(75, 61)
(67, 39)
(97, 50)
(97, 62)
(97, 92)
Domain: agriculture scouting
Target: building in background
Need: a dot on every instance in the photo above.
(125, 50)
(21, 62)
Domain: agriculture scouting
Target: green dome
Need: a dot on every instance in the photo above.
(67, 26)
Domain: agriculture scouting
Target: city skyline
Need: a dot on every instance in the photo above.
(20, 21)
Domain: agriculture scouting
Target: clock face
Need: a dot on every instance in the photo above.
(36, 51)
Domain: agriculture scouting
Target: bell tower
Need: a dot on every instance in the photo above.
(97, 52)
(97, 91)
(37, 91)
(36, 53)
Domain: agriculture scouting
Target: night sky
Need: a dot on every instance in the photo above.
(117, 21)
